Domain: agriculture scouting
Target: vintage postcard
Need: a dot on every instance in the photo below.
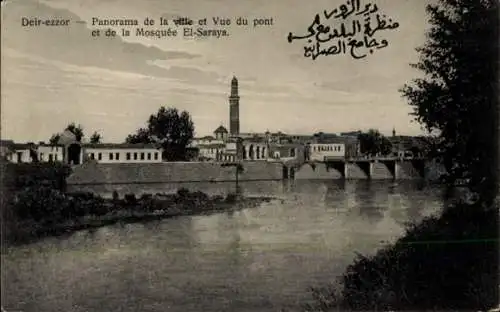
(275, 155)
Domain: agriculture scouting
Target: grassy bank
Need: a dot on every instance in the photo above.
(41, 211)
(445, 262)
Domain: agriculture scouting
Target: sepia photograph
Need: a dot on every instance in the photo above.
(249, 156)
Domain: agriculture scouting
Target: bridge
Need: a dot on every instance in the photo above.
(358, 167)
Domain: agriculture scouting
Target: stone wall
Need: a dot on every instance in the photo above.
(93, 173)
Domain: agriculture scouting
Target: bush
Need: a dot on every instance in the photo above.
(30, 174)
(231, 197)
(44, 204)
(449, 262)
(183, 192)
(130, 199)
(40, 203)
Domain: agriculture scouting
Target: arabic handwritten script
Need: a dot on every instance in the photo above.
(354, 33)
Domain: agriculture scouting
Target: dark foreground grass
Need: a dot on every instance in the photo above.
(443, 263)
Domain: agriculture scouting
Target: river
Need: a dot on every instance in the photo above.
(256, 259)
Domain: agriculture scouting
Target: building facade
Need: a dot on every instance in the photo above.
(50, 153)
(31, 152)
(324, 151)
(254, 150)
(122, 153)
(20, 153)
(286, 151)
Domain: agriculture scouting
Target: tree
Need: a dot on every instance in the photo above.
(54, 139)
(141, 136)
(457, 96)
(170, 129)
(77, 130)
(95, 138)
(373, 143)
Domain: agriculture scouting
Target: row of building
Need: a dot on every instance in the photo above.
(224, 145)
(220, 147)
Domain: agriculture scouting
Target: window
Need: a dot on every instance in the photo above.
(92, 156)
(41, 156)
(156, 156)
(99, 156)
(51, 158)
(117, 156)
(135, 156)
(110, 156)
(128, 156)
(19, 157)
(55, 157)
(142, 156)
(149, 156)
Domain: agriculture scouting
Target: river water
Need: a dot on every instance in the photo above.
(256, 259)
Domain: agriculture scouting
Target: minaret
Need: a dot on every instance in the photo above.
(234, 109)
(393, 132)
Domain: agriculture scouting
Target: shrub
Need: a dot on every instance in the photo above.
(448, 263)
(183, 192)
(130, 199)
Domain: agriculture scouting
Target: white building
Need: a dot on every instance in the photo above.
(122, 153)
(50, 153)
(211, 151)
(322, 151)
(20, 153)
(209, 147)
(205, 141)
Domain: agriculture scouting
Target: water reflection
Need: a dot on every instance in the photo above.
(255, 259)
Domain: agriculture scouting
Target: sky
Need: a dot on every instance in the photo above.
(53, 75)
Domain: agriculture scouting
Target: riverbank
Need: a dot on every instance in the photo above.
(31, 220)
(437, 259)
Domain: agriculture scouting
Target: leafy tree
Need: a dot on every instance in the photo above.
(141, 136)
(77, 130)
(170, 129)
(457, 96)
(54, 139)
(95, 138)
(373, 142)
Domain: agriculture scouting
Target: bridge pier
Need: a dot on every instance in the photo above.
(358, 169)
(288, 172)
(382, 169)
